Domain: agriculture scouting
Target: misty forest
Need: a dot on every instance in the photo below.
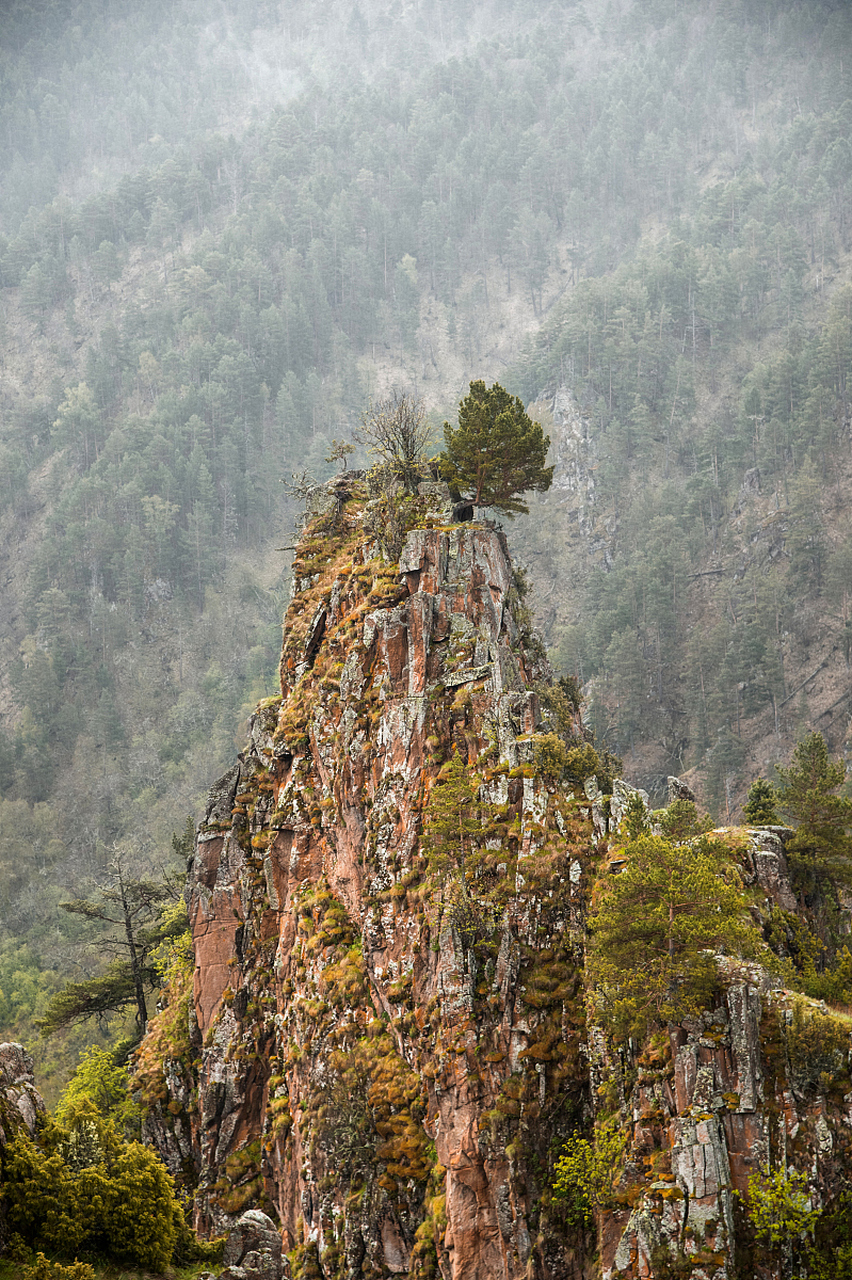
(312, 932)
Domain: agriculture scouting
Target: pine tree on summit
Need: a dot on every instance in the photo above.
(496, 450)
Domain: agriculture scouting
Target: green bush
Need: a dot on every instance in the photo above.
(106, 1084)
(85, 1189)
(44, 1269)
(586, 1171)
(779, 1206)
(817, 1045)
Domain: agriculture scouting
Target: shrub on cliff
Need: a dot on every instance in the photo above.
(586, 1171)
(83, 1189)
(781, 1213)
(396, 430)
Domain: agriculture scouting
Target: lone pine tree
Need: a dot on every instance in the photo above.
(497, 451)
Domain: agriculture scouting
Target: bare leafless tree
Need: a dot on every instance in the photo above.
(396, 431)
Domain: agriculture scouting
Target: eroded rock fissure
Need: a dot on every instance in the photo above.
(387, 1053)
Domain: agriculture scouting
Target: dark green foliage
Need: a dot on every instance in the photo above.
(760, 808)
(808, 794)
(570, 687)
(453, 822)
(496, 451)
(138, 916)
(635, 821)
(817, 1047)
(680, 821)
(452, 843)
(830, 1255)
(581, 762)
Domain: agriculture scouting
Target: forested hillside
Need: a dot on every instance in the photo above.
(222, 231)
(711, 368)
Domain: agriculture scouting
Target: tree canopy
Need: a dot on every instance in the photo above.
(396, 431)
(139, 917)
(760, 808)
(654, 927)
(497, 451)
(808, 795)
(82, 1186)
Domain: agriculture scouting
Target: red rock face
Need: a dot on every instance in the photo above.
(390, 1047)
(370, 1065)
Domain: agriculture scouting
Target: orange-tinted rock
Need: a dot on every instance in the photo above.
(384, 1056)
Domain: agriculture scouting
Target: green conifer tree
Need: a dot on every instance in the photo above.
(496, 450)
(760, 807)
(653, 928)
(808, 795)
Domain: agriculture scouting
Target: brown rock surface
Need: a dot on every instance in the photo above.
(388, 1051)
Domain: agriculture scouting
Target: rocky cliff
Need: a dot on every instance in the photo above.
(21, 1105)
(386, 1041)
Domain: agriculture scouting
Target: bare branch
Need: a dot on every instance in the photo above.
(396, 431)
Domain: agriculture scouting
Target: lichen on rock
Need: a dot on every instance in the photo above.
(388, 1049)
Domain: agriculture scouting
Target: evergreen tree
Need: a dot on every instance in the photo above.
(809, 796)
(139, 919)
(760, 810)
(496, 450)
(653, 928)
(635, 819)
(453, 822)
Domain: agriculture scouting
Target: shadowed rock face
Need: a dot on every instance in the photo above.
(387, 1053)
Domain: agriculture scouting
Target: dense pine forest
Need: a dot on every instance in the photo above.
(224, 228)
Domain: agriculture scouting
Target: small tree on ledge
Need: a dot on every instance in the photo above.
(396, 430)
(496, 450)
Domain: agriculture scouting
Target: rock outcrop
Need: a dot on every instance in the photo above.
(385, 1052)
(21, 1104)
(388, 1040)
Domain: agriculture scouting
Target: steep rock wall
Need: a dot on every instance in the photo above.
(386, 1057)
(387, 1051)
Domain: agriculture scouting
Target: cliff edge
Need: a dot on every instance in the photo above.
(385, 1043)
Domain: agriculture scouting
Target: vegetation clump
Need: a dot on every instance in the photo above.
(396, 431)
(586, 1172)
(655, 927)
(82, 1188)
(761, 807)
(809, 795)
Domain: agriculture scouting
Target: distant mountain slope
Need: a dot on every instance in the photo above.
(219, 236)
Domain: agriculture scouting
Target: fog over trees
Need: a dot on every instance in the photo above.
(226, 227)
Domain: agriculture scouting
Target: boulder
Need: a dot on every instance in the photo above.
(679, 790)
(253, 1249)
